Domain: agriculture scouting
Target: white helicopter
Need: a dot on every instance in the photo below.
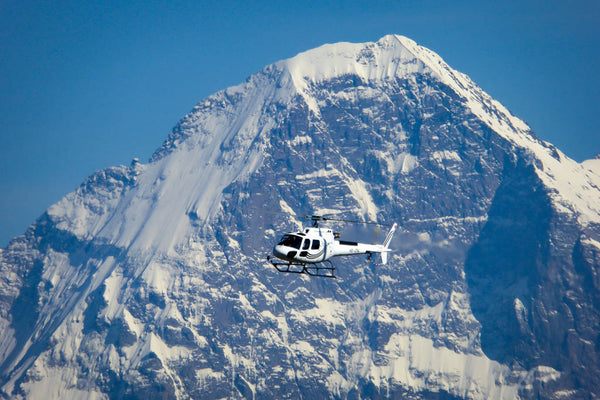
(307, 251)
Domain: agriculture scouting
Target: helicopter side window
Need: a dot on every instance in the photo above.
(291, 241)
(306, 244)
(315, 245)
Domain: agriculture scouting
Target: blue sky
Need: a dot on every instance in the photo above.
(85, 85)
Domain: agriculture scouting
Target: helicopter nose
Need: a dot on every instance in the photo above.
(279, 251)
(284, 252)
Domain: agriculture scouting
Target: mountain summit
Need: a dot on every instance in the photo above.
(150, 280)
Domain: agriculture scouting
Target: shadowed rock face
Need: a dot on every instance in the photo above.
(505, 265)
(526, 279)
(492, 290)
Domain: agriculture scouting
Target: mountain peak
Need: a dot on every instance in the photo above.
(389, 57)
(398, 57)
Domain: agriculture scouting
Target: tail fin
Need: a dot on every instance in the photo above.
(386, 244)
(388, 238)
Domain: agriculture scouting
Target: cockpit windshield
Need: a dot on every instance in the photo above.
(291, 241)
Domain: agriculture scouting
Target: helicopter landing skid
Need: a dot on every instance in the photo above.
(318, 270)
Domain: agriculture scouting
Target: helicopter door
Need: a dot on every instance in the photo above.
(305, 247)
(317, 253)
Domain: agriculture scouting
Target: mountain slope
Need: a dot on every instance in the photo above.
(150, 280)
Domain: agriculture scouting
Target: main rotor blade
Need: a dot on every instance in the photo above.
(322, 218)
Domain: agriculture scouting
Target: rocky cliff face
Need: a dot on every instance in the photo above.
(150, 281)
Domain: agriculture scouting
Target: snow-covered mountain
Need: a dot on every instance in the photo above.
(150, 281)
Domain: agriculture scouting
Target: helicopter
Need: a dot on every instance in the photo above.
(309, 251)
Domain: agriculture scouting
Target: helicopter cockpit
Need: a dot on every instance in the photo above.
(297, 242)
(292, 241)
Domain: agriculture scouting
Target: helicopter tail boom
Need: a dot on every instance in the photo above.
(345, 248)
